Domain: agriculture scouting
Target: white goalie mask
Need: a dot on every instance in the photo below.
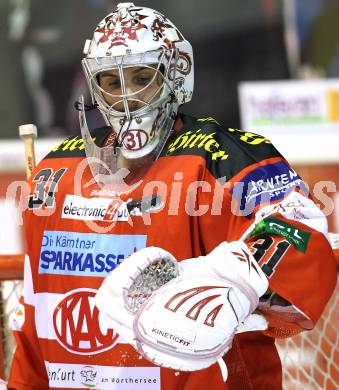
(139, 69)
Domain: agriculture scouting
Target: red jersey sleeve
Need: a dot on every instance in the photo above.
(288, 236)
(266, 206)
(301, 279)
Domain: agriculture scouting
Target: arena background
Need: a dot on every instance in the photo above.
(241, 50)
(234, 43)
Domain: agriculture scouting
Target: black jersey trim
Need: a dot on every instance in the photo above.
(73, 146)
(226, 151)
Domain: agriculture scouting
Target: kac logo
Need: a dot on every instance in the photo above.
(77, 324)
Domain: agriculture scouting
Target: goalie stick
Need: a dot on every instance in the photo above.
(28, 133)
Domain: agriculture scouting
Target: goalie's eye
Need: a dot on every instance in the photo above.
(110, 82)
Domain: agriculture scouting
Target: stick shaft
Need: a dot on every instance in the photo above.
(29, 154)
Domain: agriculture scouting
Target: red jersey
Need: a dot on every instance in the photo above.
(209, 185)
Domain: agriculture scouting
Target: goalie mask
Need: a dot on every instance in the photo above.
(139, 69)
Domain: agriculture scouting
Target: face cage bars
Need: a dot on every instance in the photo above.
(97, 92)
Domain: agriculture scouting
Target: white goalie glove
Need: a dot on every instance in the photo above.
(184, 315)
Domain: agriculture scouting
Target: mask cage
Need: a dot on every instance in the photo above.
(162, 61)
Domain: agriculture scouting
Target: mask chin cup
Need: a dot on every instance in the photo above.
(116, 165)
(103, 161)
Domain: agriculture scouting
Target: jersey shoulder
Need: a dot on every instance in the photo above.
(226, 151)
(73, 146)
